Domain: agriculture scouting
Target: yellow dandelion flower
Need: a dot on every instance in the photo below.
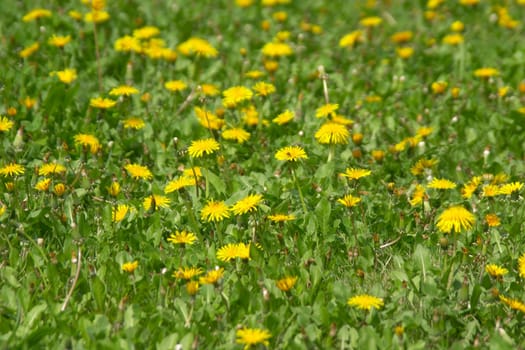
(366, 302)
(192, 287)
(418, 195)
(236, 95)
(492, 220)
(453, 39)
(281, 217)
(350, 39)
(254, 74)
(29, 50)
(77, 16)
(102, 103)
(59, 41)
(441, 184)
(244, 3)
(490, 191)
(119, 212)
(496, 271)
(404, 52)
(237, 134)
(521, 265)
(87, 140)
(457, 26)
(194, 172)
(146, 32)
(5, 124)
(263, 89)
(138, 171)
(455, 218)
(287, 283)
(212, 276)
(277, 49)
(215, 211)
(198, 148)
(197, 46)
(510, 188)
(349, 201)
(372, 21)
(252, 336)
(114, 189)
(59, 189)
(439, 87)
(130, 266)
(187, 273)
(124, 90)
(421, 165)
(247, 204)
(233, 251)
(67, 76)
(51, 168)
(156, 201)
(401, 37)
(209, 89)
(133, 123)
(182, 237)
(355, 173)
(327, 110)
(36, 14)
(513, 303)
(469, 2)
(291, 153)
(284, 118)
(96, 16)
(332, 133)
(175, 85)
(29, 102)
(181, 182)
(208, 119)
(486, 72)
(127, 44)
(43, 185)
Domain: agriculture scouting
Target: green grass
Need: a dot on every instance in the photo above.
(61, 254)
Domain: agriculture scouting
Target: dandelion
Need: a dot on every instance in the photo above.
(59, 189)
(510, 188)
(102, 103)
(233, 251)
(114, 189)
(236, 95)
(355, 173)
(327, 110)
(199, 148)
(146, 32)
(421, 165)
(29, 102)
(175, 85)
(370, 22)
(439, 87)
(29, 50)
(187, 273)
(51, 168)
(12, 169)
(417, 196)
(453, 39)
(247, 204)
(182, 237)
(254, 74)
(215, 211)
(455, 218)
(237, 134)
(513, 303)
(138, 171)
(486, 72)
(194, 172)
(127, 44)
(130, 266)
(209, 89)
(43, 185)
(263, 89)
(281, 217)
(181, 182)
(119, 212)
(208, 119)
(350, 39)
(124, 90)
(156, 201)
(291, 153)
(492, 220)
(332, 133)
(402, 37)
(96, 16)
(133, 123)
(36, 14)
(284, 118)
(405, 52)
(441, 184)
(521, 265)
(212, 276)
(349, 201)
(59, 41)
(496, 271)
(252, 336)
(5, 124)
(67, 76)
(366, 302)
(277, 49)
(287, 283)
(490, 191)
(197, 46)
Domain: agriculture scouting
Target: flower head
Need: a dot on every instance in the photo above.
(327, 110)
(232, 251)
(138, 171)
(208, 119)
(156, 201)
(51, 168)
(29, 50)
(5, 124)
(263, 89)
(187, 273)
(372, 21)
(67, 76)
(102, 103)
(236, 95)
(212, 276)
(355, 173)
(510, 188)
(182, 237)
(146, 32)
(287, 283)
(181, 182)
(43, 185)
(455, 218)
(247, 204)
(284, 117)
(496, 270)
(418, 195)
(277, 49)
(238, 134)
(124, 90)
(252, 336)
(281, 217)
(199, 148)
(175, 85)
(133, 123)
(441, 184)
(291, 153)
(130, 266)
(486, 72)
(350, 39)
(197, 46)
(349, 201)
(492, 220)
(521, 265)
(366, 302)
(215, 211)
(119, 212)
(332, 133)
(88, 140)
(59, 41)
(36, 14)
(513, 303)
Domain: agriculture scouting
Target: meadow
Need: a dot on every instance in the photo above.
(251, 174)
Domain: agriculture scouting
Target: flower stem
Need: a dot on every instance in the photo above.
(299, 190)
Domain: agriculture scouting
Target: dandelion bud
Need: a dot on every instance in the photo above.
(9, 186)
(265, 25)
(454, 92)
(356, 153)
(11, 111)
(243, 51)
(521, 88)
(114, 189)
(192, 287)
(443, 242)
(357, 138)
(378, 155)
(59, 189)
